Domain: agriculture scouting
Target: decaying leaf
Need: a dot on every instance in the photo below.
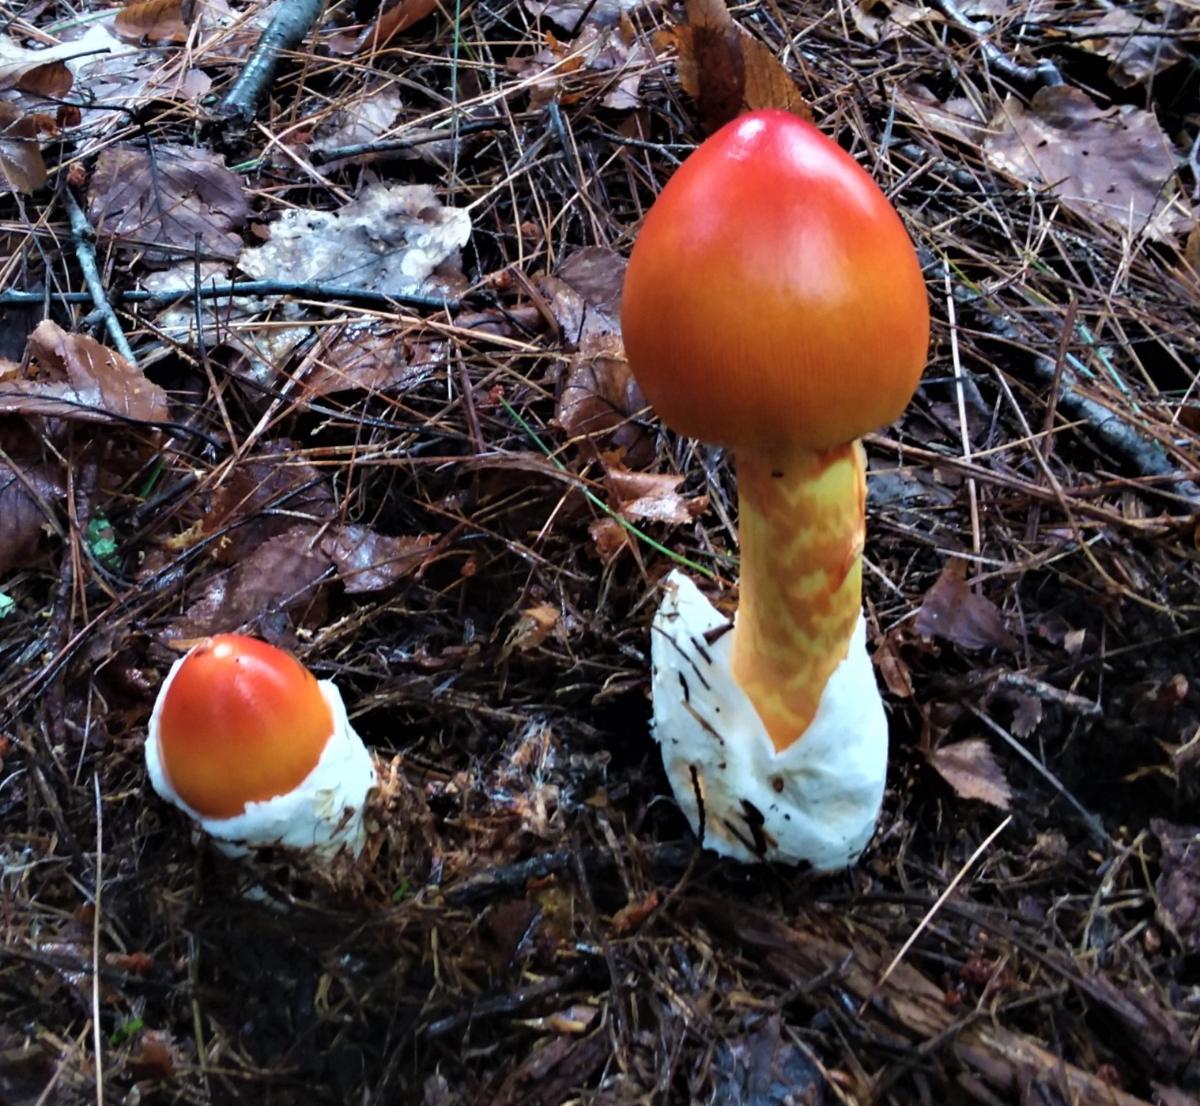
(957, 117)
(393, 17)
(21, 166)
(77, 378)
(727, 71)
(594, 13)
(952, 611)
(609, 536)
(635, 912)
(43, 72)
(154, 20)
(609, 60)
(651, 496)
(372, 356)
(26, 491)
(892, 666)
(1133, 42)
(177, 203)
(1111, 166)
(763, 1067)
(369, 561)
(971, 769)
(393, 238)
(1178, 887)
(366, 118)
(533, 627)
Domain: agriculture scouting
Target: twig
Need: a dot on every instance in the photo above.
(399, 145)
(283, 34)
(1048, 693)
(97, 1037)
(85, 254)
(1044, 73)
(317, 290)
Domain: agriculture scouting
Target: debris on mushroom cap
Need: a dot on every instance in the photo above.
(256, 751)
(773, 294)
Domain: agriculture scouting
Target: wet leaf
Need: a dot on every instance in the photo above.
(154, 20)
(180, 200)
(609, 536)
(1178, 887)
(393, 18)
(392, 238)
(374, 357)
(635, 912)
(1115, 166)
(892, 666)
(21, 166)
(43, 72)
(1137, 47)
(367, 561)
(365, 119)
(762, 1068)
(727, 71)
(77, 378)
(595, 13)
(952, 611)
(533, 627)
(652, 496)
(970, 768)
(22, 519)
(150, 1058)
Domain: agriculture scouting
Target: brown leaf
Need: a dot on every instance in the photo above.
(78, 378)
(650, 495)
(727, 71)
(151, 1058)
(533, 627)
(154, 20)
(970, 768)
(1113, 166)
(1178, 887)
(21, 515)
(367, 561)
(1137, 47)
(21, 166)
(372, 357)
(951, 610)
(594, 13)
(180, 198)
(43, 72)
(634, 913)
(609, 536)
(392, 19)
(892, 666)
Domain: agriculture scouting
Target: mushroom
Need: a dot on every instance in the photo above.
(774, 304)
(257, 751)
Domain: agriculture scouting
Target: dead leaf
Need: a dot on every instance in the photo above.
(609, 536)
(952, 611)
(180, 200)
(568, 13)
(21, 166)
(368, 561)
(763, 1067)
(650, 495)
(392, 238)
(150, 1058)
(77, 378)
(1027, 714)
(1113, 166)
(727, 71)
(970, 768)
(22, 515)
(634, 913)
(1178, 886)
(892, 666)
(393, 18)
(957, 117)
(154, 20)
(364, 119)
(41, 72)
(372, 356)
(533, 627)
(1137, 47)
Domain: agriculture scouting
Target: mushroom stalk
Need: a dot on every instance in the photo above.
(801, 525)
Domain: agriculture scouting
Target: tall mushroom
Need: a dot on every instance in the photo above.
(257, 751)
(774, 304)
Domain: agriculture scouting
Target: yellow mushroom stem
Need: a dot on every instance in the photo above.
(802, 519)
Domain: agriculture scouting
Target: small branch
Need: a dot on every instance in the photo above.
(317, 290)
(85, 253)
(284, 33)
(408, 142)
(1044, 73)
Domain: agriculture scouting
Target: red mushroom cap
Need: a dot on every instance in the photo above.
(241, 721)
(773, 296)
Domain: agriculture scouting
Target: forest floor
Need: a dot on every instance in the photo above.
(410, 454)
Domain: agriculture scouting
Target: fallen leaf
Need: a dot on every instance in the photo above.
(393, 18)
(1177, 889)
(21, 488)
(727, 71)
(150, 1058)
(1114, 166)
(952, 611)
(1027, 714)
(21, 166)
(372, 356)
(1136, 45)
(634, 913)
(42, 72)
(533, 627)
(763, 1067)
(609, 536)
(568, 13)
(971, 769)
(892, 666)
(154, 20)
(368, 561)
(392, 238)
(650, 495)
(364, 119)
(180, 201)
(957, 117)
(78, 378)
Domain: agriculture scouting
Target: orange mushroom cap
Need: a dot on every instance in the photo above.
(241, 722)
(773, 296)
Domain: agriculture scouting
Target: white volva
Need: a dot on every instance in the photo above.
(323, 813)
(817, 801)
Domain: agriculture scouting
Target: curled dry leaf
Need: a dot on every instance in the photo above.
(1111, 166)
(179, 201)
(393, 238)
(952, 611)
(727, 71)
(77, 378)
(154, 20)
(970, 768)
(650, 496)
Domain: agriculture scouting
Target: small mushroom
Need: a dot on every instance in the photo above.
(773, 303)
(257, 751)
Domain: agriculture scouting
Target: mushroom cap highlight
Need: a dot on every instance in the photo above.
(241, 722)
(773, 295)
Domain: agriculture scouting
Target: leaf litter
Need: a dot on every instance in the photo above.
(398, 495)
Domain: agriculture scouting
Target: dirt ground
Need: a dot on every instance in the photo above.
(409, 454)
